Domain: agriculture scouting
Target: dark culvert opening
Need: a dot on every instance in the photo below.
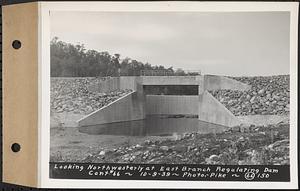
(170, 89)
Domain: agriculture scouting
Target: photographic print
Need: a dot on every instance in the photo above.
(98, 66)
(170, 95)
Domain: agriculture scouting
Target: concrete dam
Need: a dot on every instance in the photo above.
(140, 103)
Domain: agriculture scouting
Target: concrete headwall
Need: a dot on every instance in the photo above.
(117, 83)
(171, 80)
(136, 105)
(127, 108)
(107, 85)
(212, 111)
(172, 104)
(129, 82)
(212, 82)
(206, 82)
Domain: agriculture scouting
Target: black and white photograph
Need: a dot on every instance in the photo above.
(170, 88)
(149, 95)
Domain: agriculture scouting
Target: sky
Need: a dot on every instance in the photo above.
(233, 43)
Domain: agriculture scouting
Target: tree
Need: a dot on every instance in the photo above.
(68, 60)
(179, 72)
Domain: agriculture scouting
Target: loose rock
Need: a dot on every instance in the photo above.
(267, 96)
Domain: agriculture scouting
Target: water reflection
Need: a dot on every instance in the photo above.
(154, 126)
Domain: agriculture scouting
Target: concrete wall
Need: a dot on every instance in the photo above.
(212, 111)
(127, 108)
(136, 105)
(172, 104)
(171, 80)
(108, 85)
(129, 82)
(117, 83)
(212, 82)
(206, 82)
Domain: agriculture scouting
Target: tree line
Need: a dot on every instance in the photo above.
(69, 60)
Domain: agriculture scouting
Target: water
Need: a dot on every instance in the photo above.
(154, 126)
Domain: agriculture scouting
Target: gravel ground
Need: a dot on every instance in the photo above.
(259, 145)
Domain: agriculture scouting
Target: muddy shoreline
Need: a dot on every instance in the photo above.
(247, 144)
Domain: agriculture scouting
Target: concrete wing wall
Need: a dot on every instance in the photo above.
(127, 108)
(212, 82)
(172, 104)
(212, 111)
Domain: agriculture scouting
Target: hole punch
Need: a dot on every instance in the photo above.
(16, 147)
(16, 44)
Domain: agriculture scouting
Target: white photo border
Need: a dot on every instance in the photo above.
(45, 9)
